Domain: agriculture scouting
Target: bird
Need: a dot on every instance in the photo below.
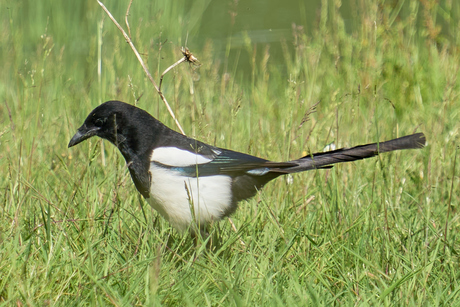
(192, 183)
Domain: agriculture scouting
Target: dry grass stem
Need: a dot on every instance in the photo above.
(188, 57)
(130, 42)
(126, 17)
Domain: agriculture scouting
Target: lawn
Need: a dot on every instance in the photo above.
(383, 231)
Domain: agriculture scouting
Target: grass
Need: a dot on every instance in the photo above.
(73, 230)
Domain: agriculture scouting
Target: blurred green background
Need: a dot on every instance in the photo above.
(73, 229)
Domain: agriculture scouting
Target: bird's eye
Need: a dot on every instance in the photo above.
(98, 122)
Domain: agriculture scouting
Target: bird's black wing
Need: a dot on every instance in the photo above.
(227, 162)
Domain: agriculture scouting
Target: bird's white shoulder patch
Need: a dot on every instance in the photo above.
(173, 156)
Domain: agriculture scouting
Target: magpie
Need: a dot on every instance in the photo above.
(186, 180)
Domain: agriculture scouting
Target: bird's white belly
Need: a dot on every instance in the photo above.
(175, 197)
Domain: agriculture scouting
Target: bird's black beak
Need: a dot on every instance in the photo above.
(82, 134)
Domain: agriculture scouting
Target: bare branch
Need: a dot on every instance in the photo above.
(126, 17)
(188, 57)
(168, 69)
(129, 41)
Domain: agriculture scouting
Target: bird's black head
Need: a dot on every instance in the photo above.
(108, 121)
(134, 131)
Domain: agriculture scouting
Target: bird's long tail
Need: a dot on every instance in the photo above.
(325, 159)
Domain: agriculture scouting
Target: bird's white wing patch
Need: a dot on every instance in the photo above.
(173, 156)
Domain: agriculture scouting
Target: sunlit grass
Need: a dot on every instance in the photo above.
(73, 230)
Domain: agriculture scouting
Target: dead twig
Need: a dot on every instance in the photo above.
(139, 58)
(126, 18)
(188, 57)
